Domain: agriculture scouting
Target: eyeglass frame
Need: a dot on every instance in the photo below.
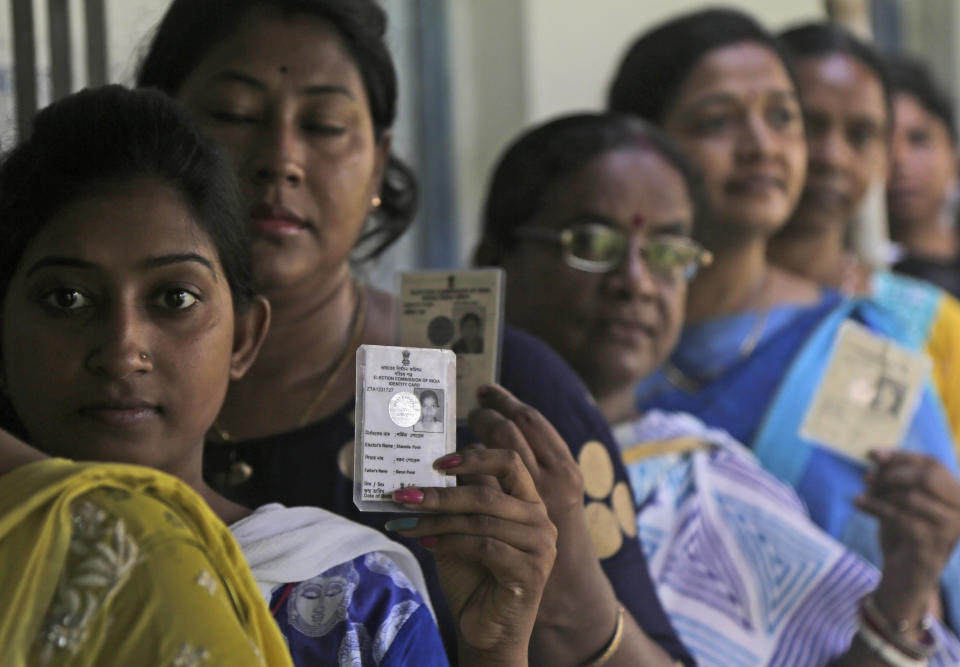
(563, 236)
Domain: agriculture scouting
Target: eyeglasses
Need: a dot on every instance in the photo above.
(599, 248)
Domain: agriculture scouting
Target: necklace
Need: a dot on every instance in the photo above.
(356, 332)
(358, 318)
(683, 381)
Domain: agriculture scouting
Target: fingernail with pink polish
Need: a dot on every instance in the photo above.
(449, 461)
(408, 496)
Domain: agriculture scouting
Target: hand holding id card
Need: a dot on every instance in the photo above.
(405, 420)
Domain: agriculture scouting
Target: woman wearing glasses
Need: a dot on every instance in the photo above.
(591, 216)
(759, 340)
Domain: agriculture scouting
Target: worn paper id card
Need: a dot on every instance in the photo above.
(405, 420)
(461, 311)
(868, 394)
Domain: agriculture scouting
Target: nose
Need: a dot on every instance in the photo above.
(278, 154)
(756, 139)
(633, 278)
(122, 347)
(897, 163)
(830, 151)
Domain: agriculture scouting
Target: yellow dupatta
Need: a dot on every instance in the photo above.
(117, 564)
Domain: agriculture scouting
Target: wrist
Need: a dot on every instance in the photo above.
(912, 639)
(506, 656)
(907, 608)
(611, 647)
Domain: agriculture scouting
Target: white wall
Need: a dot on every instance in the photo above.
(522, 61)
(572, 47)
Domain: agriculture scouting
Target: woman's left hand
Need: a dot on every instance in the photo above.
(495, 547)
(917, 501)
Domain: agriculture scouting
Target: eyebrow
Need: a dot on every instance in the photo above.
(728, 98)
(253, 82)
(672, 228)
(153, 262)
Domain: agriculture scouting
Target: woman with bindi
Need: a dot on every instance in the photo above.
(303, 94)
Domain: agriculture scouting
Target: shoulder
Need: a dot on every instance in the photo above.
(538, 376)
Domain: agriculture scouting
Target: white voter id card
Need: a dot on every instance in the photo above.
(868, 394)
(461, 311)
(405, 420)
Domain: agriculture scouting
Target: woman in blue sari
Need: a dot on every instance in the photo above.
(760, 339)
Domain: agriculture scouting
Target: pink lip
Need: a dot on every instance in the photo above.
(276, 220)
(121, 413)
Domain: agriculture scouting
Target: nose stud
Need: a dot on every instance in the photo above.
(144, 356)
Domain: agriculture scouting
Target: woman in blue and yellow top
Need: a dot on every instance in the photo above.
(846, 98)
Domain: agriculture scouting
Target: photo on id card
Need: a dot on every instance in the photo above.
(461, 311)
(405, 420)
(868, 394)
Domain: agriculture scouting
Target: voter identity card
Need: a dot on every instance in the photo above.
(868, 394)
(405, 420)
(461, 311)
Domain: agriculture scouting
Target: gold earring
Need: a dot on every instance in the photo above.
(376, 201)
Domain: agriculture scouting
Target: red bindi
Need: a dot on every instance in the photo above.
(638, 222)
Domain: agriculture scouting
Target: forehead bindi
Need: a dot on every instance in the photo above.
(273, 48)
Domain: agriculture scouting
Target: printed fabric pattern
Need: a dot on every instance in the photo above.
(362, 612)
(746, 578)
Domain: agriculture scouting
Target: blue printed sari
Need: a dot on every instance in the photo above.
(762, 398)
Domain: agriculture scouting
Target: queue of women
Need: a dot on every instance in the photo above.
(179, 322)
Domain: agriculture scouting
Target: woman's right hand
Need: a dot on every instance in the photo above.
(495, 547)
(917, 501)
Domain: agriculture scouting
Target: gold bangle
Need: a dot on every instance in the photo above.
(612, 645)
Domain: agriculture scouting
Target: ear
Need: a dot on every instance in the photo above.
(380, 163)
(250, 329)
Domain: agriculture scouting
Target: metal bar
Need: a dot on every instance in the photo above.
(59, 19)
(96, 25)
(438, 209)
(24, 64)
